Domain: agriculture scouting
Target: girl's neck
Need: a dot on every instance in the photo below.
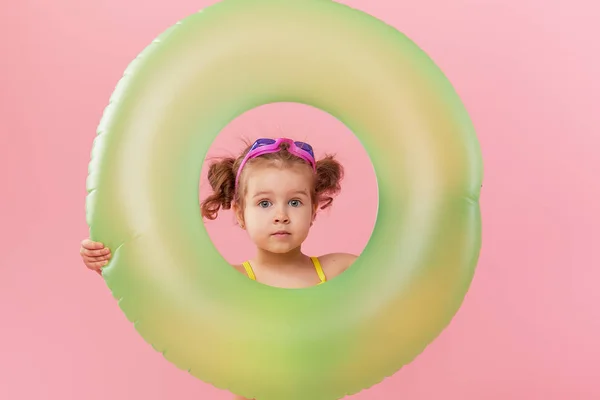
(280, 260)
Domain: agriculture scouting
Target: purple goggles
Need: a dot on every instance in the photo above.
(267, 146)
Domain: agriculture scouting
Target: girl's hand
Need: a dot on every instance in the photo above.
(94, 255)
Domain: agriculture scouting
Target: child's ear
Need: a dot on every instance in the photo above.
(239, 215)
(314, 213)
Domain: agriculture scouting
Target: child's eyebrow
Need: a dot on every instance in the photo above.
(267, 192)
(262, 193)
(304, 192)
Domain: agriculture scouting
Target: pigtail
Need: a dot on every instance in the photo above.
(329, 176)
(221, 177)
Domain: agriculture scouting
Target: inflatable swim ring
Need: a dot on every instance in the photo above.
(255, 340)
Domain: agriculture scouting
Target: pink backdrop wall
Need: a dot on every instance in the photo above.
(527, 71)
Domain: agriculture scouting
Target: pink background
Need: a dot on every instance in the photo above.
(527, 71)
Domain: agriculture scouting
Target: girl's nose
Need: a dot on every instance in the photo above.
(281, 218)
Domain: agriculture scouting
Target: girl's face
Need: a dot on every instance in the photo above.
(278, 211)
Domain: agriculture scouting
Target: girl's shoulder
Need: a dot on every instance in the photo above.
(240, 268)
(334, 264)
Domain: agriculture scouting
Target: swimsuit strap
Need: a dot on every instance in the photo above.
(319, 269)
(249, 270)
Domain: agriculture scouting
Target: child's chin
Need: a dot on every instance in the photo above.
(282, 249)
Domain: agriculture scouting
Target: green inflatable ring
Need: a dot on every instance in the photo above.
(255, 340)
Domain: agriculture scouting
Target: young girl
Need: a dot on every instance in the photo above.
(275, 188)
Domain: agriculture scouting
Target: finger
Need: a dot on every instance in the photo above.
(91, 245)
(89, 260)
(95, 253)
(96, 265)
(94, 261)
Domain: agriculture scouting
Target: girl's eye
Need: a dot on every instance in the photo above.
(264, 204)
(295, 203)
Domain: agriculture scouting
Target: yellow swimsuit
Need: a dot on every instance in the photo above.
(315, 261)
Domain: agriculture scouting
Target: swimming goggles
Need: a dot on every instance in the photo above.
(267, 146)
